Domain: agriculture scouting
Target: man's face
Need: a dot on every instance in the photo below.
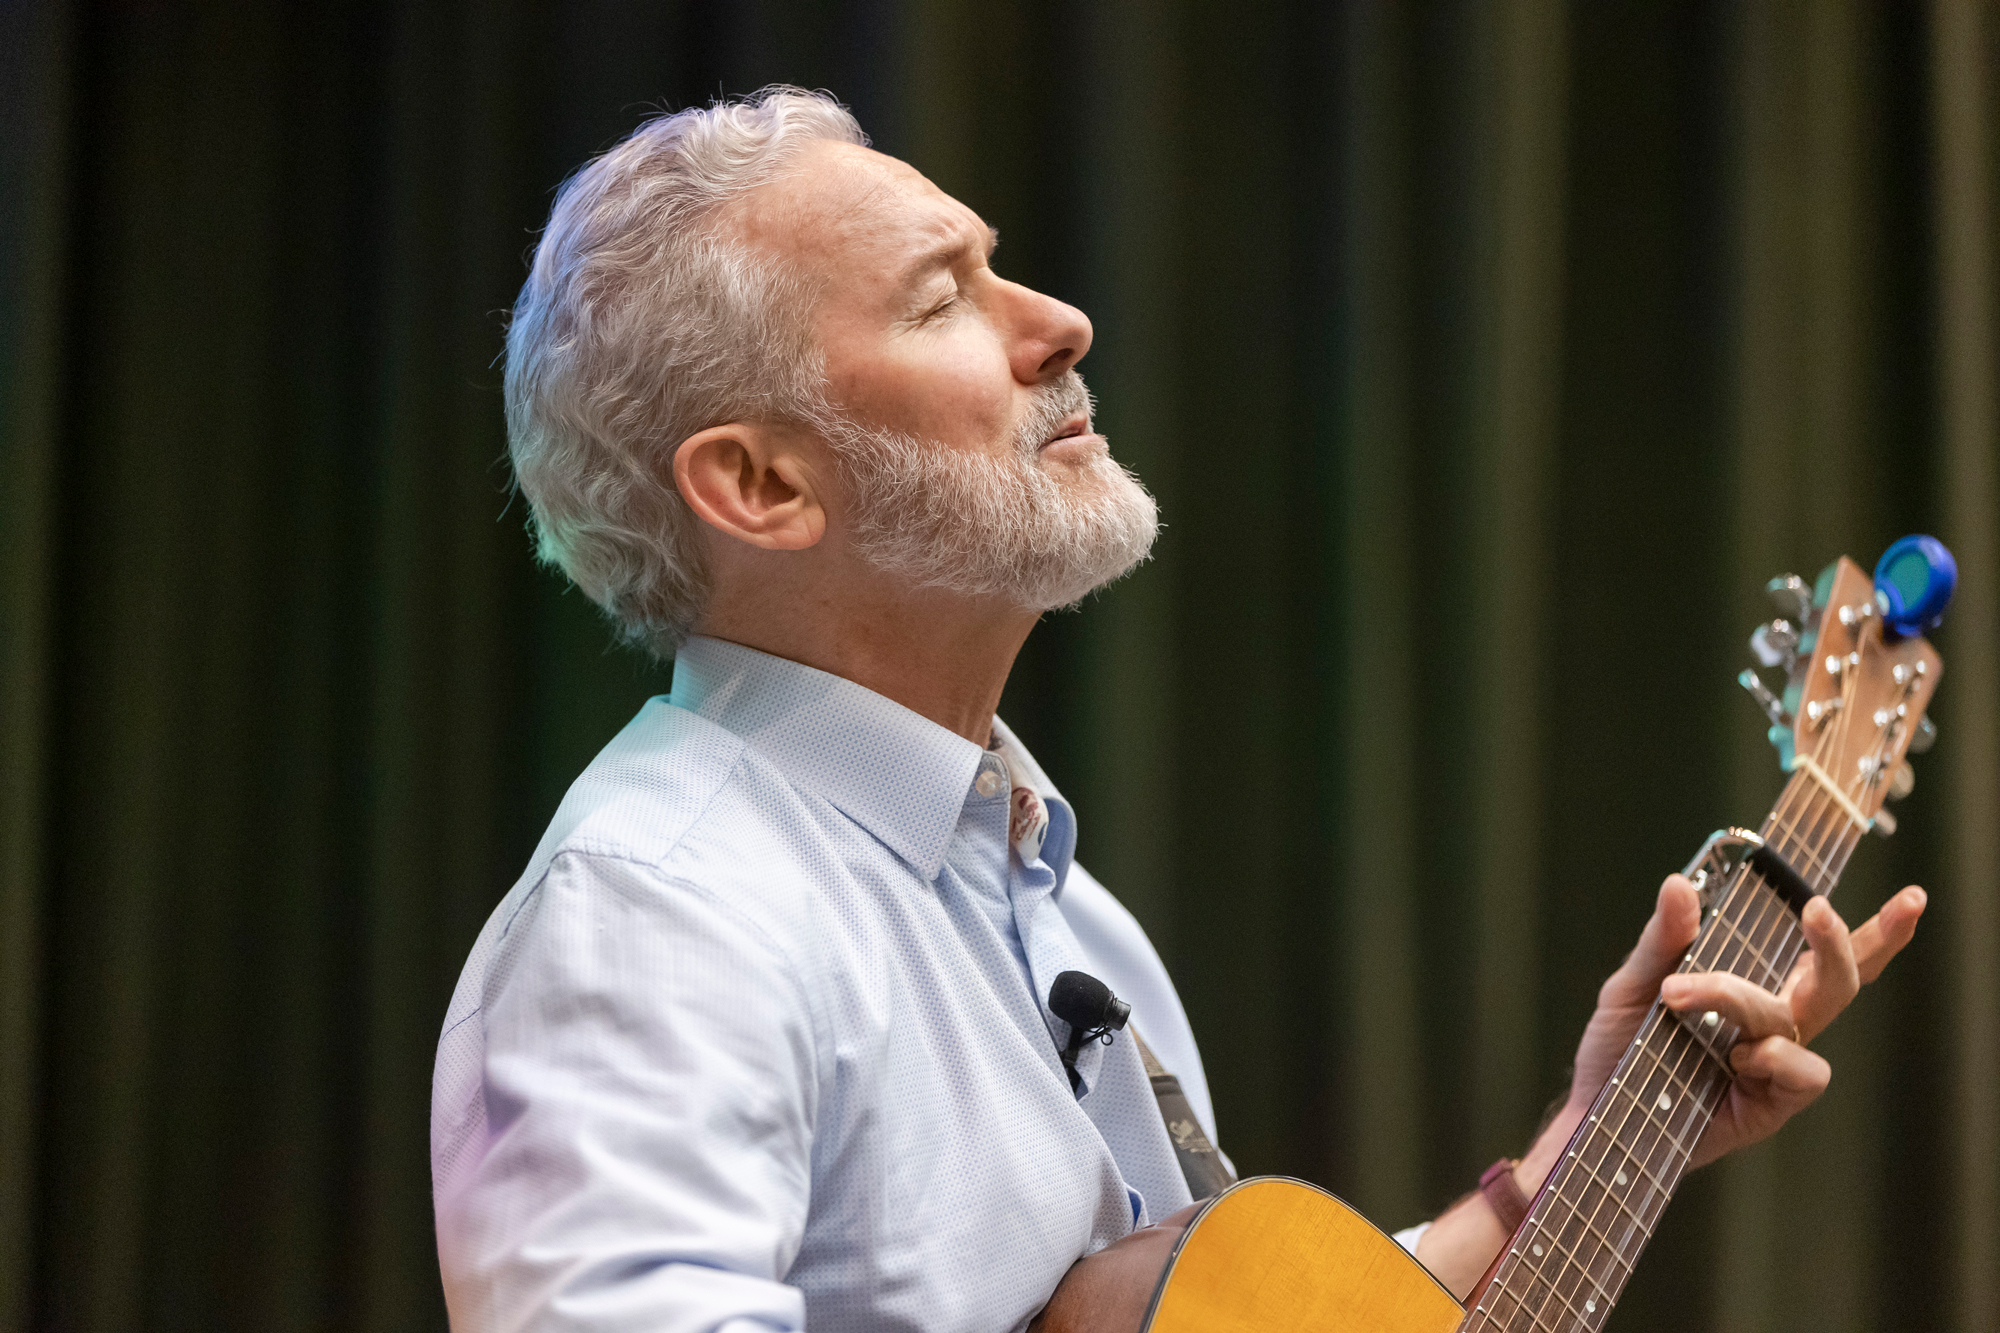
(920, 335)
(965, 441)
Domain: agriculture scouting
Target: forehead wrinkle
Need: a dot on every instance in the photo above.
(955, 242)
(862, 214)
(865, 214)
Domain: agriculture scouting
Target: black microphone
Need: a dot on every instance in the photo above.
(1090, 1009)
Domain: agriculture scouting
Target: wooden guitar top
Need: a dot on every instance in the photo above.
(1273, 1254)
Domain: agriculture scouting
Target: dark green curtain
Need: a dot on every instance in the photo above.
(1486, 359)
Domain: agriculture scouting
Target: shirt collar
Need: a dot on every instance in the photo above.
(1059, 848)
(896, 773)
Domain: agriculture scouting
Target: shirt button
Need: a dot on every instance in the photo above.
(989, 783)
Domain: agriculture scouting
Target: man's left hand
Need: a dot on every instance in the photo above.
(1776, 1076)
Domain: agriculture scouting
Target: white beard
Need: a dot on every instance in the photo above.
(995, 527)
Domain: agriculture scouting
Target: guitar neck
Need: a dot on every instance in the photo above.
(1572, 1255)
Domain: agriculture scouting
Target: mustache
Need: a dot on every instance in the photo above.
(1053, 404)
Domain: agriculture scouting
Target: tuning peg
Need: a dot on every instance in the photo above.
(1902, 782)
(1793, 597)
(1924, 736)
(1914, 581)
(1883, 824)
(1776, 644)
(1769, 702)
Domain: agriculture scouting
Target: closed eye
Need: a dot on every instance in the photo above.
(941, 309)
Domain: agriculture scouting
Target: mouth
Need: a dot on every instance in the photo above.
(1073, 427)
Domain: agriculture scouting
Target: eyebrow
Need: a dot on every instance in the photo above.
(940, 256)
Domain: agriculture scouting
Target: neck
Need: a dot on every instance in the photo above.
(1570, 1258)
(943, 657)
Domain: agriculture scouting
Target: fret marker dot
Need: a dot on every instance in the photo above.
(1666, 1102)
(1619, 1179)
(1710, 1019)
(1590, 1306)
(1538, 1251)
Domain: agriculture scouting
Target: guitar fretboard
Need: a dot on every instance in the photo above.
(1564, 1268)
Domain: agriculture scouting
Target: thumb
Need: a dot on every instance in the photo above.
(1675, 920)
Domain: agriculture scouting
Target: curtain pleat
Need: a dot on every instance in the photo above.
(1964, 38)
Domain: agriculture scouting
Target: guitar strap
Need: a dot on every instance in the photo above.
(1201, 1165)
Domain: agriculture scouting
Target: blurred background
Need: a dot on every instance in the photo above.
(1486, 360)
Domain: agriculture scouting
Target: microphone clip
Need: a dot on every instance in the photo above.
(1092, 1012)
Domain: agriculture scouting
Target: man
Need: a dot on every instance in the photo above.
(761, 1038)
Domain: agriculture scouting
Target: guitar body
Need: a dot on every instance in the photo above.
(1272, 1254)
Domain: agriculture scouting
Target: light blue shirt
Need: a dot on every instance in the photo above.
(759, 1040)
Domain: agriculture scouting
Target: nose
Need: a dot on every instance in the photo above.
(1049, 336)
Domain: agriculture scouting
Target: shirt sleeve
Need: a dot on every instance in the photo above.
(649, 1089)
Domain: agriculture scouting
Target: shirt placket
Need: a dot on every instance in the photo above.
(1046, 938)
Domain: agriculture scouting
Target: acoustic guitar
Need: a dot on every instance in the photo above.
(1274, 1254)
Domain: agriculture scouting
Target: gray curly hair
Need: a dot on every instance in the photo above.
(639, 326)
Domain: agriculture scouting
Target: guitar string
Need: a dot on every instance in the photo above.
(1565, 1257)
(1770, 930)
(1700, 1087)
(1742, 915)
(1660, 1146)
(1698, 1090)
(1850, 688)
(1698, 1093)
(1775, 932)
(1828, 860)
(1848, 837)
(1638, 1158)
(1503, 1280)
(1588, 1148)
(1751, 918)
(1831, 856)
(1745, 912)
(1782, 826)
(1594, 1220)
(1828, 856)
(1786, 821)
(1676, 1131)
(1832, 739)
(1820, 806)
(1793, 841)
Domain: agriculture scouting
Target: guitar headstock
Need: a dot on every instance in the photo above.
(1859, 674)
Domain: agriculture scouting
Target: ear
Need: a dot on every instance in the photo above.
(754, 482)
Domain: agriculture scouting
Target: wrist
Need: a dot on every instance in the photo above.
(1500, 1187)
(1547, 1149)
